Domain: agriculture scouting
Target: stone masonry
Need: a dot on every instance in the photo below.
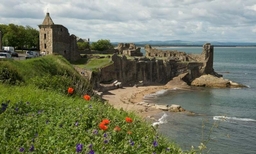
(154, 70)
(128, 49)
(55, 39)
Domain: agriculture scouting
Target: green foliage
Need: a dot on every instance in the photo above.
(101, 45)
(83, 45)
(19, 36)
(48, 72)
(45, 121)
(96, 63)
(9, 74)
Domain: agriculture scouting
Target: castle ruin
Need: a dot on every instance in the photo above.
(154, 70)
(128, 49)
(55, 39)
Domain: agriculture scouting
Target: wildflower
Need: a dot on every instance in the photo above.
(105, 141)
(95, 131)
(103, 126)
(117, 129)
(16, 109)
(76, 124)
(131, 143)
(129, 132)
(87, 97)
(128, 119)
(70, 90)
(105, 135)
(105, 121)
(79, 147)
(155, 143)
(91, 152)
(22, 149)
(32, 148)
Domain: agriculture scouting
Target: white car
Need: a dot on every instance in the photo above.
(5, 55)
(31, 54)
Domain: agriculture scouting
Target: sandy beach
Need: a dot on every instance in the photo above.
(129, 98)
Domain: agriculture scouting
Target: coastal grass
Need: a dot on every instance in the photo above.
(96, 63)
(46, 121)
(51, 72)
(37, 114)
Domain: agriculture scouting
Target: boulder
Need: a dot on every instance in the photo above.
(176, 108)
(162, 107)
(214, 82)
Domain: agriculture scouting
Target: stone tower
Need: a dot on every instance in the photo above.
(208, 50)
(55, 39)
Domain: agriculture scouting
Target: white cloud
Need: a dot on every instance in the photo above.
(140, 20)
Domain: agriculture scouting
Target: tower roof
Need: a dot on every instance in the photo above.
(47, 20)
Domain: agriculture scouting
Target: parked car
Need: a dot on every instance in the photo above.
(5, 55)
(13, 53)
(31, 54)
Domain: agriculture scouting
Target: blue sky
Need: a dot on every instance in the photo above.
(141, 20)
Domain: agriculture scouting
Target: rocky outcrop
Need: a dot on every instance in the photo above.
(171, 108)
(215, 82)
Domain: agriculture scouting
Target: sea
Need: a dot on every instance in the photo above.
(225, 119)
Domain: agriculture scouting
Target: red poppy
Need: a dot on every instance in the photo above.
(129, 132)
(128, 119)
(105, 121)
(117, 129)
(103, 126)
(70, 90)
(87, 97)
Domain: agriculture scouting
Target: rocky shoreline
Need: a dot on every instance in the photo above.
(131, 99)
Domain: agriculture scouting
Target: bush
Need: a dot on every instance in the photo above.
(101, 45)
(9, 74)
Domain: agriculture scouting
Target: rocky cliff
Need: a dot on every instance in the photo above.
(155, 70)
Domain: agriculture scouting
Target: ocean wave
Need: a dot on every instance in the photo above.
(155, 95)
(232, 119)
(160, 121)
(160, 92)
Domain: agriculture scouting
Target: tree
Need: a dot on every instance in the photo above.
(32, 37)
(101, 45)
(83, 45)
(19, 36)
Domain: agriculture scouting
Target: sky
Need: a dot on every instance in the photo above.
(140, 20)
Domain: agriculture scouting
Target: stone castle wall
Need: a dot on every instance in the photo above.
(55, 39)
(158, 71)
(128, 49)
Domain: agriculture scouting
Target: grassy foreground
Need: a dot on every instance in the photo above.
(41, 117)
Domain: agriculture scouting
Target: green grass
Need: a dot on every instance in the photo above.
(47, 72)
(56, 123)
(96, 63)
(37, 114)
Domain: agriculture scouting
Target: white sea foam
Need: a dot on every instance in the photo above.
(232, 119)
(161, 92)
(155, 95)
(160, 121)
